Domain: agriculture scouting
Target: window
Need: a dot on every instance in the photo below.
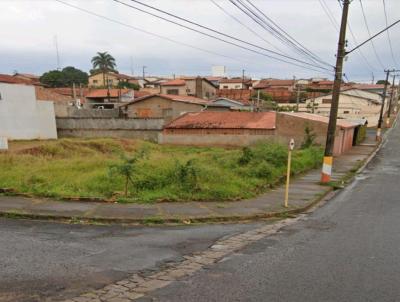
(173, 91)
(225, 86)
(346, 111)
(326, 101)
(95, 81)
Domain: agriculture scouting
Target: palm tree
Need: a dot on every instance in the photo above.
(104, 62)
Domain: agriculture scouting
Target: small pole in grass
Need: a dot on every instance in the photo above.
(291, 147)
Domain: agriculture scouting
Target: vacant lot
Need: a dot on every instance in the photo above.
(98, 167)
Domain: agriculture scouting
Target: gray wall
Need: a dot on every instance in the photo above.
(136, 128)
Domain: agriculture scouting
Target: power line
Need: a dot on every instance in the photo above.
(246, 26)
(370, 39)
(369, 33)
(267, 20)
(220, 33)
(329, 14)
(388, 35)
(145, 31)
(157, 35)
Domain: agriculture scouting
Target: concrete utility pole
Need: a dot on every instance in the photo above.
(144, 72)
(330, 137)
(390, 102)
(379, 128)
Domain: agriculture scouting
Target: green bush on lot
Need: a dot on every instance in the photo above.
(81, 168)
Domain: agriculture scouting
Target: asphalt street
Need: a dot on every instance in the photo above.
(42, 261)
(347, 250)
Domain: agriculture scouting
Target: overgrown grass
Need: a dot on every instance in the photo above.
(81, 168)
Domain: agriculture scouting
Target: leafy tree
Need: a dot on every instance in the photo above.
(382, 82)
(103, 62)
(128, 85)
(64, 78)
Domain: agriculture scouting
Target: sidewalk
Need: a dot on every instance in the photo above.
(305, 190)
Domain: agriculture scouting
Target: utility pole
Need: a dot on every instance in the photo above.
(379, 128)
(373, 79)
(330, 137)
(390, 103)
(132, 71)
(143, 72)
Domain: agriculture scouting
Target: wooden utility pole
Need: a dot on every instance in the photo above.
(330, 137)
(379, 128)
(390, 103)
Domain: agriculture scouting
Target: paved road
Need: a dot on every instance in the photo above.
(40, 260)
(348, 250)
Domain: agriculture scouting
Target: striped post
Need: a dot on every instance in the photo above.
(326, 169)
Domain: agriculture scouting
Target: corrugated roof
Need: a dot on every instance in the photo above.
(319, 118)
(225, 120)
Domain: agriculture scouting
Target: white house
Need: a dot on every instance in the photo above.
(353, 104)
(22, 116)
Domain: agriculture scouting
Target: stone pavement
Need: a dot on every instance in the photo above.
(305, 190)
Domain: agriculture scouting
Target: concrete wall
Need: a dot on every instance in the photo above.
(110, 127)
(157, 107)
(22, 117)
(213, 139)
(72, 111)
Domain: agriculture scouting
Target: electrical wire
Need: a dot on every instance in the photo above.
(157, 35)
(281, 31)
(369, 33)
(388, 35)
(220, 33)
(329, 14)
(246, 26)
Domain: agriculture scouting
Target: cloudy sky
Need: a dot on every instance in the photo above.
(29, 28)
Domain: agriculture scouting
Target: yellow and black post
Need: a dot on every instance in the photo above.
(289, 163)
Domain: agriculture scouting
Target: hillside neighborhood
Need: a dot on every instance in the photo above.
(199, 151)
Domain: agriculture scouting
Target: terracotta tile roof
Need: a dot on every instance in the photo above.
(241, 95)
(177, 82)
(5, 78)
(124, 76)
(235, 81)
(367, 86)
(215, 78)
(319, 118)
(224, 120)
(114, 93)
(272, 82)
(68, 91)
(176, 98)
(28, 75)
(47, 94)
(184, 98)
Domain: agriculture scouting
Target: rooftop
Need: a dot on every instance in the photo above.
(225, 120)
(177, 82)
(319, 118)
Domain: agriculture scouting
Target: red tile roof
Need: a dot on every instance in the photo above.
(114, 93)
(177, 82)
(5, 78)
(241, 95)
(224, 120)
(47, 94)
(272, 82)
(68, 91)
(235, 81)
(172, 97)
(319, 118)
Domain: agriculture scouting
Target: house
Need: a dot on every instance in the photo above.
(241, 95)
(29, 78)
(112, 79)
(282, 91)
(353, 104)
(167, 106)
(233, 105)
(22, 116)
(61, 102)
(377, 88)
(190, 86)
(215, 80)
(246, 128)
(111, 98)
(236, 83)
(220, 128)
